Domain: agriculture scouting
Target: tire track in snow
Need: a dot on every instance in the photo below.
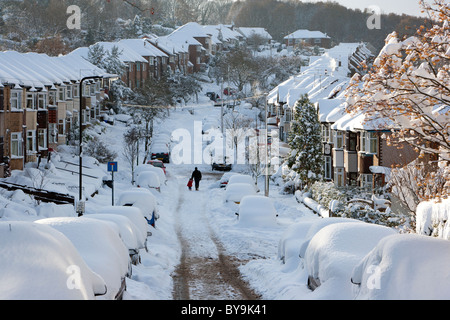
(205, 270)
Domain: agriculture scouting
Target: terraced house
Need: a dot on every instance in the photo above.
(39, 104)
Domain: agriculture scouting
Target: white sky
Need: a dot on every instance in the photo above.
(411, 7)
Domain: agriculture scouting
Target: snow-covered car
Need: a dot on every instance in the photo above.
(404, 267)
(39, 263)
(257, 211)
(235, 192)
(316, 227)
(242, 178)
(101, 248)
(335, 250)
(160, 151)
(148, 179)
(158, 164)
(149, 167)
(136, 216)
(127, 231)
(223, 182)
(143, 199)
(290, 241)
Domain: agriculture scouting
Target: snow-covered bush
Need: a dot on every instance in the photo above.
(97, 149)
(355, 203)
(432, 218)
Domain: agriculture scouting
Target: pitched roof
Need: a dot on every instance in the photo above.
(306, 34)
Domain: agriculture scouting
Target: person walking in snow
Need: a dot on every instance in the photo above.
(197, 176)
(190, 182)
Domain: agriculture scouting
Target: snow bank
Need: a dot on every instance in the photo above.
(433, 218)
(405, 266)
(99, 245)
(39, 262)
(257, 211)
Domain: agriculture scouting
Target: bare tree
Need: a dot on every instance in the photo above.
(131, 148)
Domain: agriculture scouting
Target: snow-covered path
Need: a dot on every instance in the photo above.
(205, 271)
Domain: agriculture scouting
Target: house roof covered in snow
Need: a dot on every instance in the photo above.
(248, 32)
(306, 34)
(142, 47)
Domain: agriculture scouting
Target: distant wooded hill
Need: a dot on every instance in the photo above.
(40, 24)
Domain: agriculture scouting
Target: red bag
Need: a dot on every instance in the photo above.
(190, 183)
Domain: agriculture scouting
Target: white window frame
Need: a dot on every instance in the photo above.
(338, 139)
(61, 95)
(53, 133)
(366, 181)
(76, 90)
(69, 92)
(339, 177)
(42, 137)
(16, 99)
(327, 167)
(369, 142)
(16, 138)
(325, 133)
(31, 97)
(31, 142)
(42, 100)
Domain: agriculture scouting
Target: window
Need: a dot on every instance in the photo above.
(16, 145)
(138, 66)
(31, 101)
(16, 99)
(325, 133)
(92, 90)
(42, 139)
(62, 94)
(152, 61)
(338, 140)
(369, 142)
(352, 141)
(52, 97)
(53, 133)
(339, 177)
(76, 89)
(42, 101)
(1, 99)
(69, 92)
(198, 60)
(31, 142)
(366, 181)
(327, 168)
(61, 126)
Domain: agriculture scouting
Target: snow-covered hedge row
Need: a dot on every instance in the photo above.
(353, 202)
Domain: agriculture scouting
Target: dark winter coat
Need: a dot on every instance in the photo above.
(196, 175)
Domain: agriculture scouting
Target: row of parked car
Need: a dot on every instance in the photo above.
(254, 210)
(366, 261)
(86, 257)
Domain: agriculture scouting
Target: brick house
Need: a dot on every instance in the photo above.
(38, 99)
(302, 37)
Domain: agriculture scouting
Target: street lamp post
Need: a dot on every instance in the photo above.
(80, 206)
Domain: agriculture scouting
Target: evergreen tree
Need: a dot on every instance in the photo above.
(306, 142)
